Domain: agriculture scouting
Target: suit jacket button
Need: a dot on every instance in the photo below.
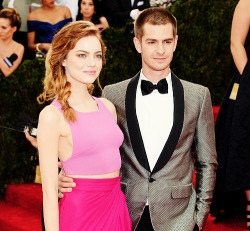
(151, 180)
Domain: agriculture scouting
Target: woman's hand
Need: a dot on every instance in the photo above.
(30, 138)
(45, 46)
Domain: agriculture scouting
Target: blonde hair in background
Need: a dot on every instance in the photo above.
(55, 82)
(13, 16)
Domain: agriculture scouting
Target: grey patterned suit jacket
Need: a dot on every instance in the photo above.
(174, 204)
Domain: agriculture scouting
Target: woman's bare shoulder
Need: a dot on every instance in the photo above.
(33, 15)
(50, 115)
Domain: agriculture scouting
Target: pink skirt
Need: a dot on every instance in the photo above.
(94, 205)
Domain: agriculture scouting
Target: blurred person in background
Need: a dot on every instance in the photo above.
(232, 128)
(71, 4)
(44, 22)
(23, 7)
(89, 10)
(11, 52)
(122, 12)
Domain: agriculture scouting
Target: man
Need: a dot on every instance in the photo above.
(119, 12)
(168, 128)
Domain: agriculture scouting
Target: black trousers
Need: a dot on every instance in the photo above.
(145, 222)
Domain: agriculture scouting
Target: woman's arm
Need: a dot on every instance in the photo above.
(67, 13)
(36, 46)
(31, 36)
(6, 70)
(48, 134)
(240, 27)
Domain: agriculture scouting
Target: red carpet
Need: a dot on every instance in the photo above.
(21, 210)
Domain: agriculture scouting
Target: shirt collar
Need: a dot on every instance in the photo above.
(168, 78)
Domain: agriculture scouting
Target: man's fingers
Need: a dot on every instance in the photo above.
(66, 185)
(60, 195)
(60, 164)
(63, 190)
(65, 179)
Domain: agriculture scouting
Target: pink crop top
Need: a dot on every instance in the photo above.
(96, 142)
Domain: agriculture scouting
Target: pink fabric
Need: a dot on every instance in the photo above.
(94, 205)
(96, 142)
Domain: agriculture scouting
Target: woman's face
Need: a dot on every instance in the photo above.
(48, 3)
(87, 8)
(83, 63)
(6, 30)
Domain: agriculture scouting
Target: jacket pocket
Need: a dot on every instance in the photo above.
(181, 191)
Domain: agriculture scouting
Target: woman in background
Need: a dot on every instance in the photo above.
(232, 127)
(44, 22)
(89, 10)
(81, 130)
(11, 52)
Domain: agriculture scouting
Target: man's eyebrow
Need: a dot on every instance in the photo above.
(153, 39)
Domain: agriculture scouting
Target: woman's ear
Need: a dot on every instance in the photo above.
(14, 29)
(64, 63)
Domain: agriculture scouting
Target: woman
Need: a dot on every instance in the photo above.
(11, 52)
(44, 22)
(233, 124)
(81, 130)
(89, 10)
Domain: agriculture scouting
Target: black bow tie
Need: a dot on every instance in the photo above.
(147, 87)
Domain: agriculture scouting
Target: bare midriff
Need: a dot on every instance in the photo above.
(102, 176)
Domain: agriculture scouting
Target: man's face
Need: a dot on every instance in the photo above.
(157, 47)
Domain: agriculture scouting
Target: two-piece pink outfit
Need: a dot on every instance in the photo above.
(94, 204)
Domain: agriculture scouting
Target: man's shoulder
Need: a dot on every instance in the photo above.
(118, 85)
(192, 86)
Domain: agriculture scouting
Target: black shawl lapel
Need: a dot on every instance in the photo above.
(178, 94)
(133, 125)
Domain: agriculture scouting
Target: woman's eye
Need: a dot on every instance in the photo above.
(82, 55)
(99, 56)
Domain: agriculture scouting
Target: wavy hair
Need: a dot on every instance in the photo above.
(55, 82)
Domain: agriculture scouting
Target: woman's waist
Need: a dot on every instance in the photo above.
(110, 175)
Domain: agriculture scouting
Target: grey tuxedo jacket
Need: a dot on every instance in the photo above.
(174, 204)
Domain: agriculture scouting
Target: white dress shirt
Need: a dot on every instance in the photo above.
(155, 117)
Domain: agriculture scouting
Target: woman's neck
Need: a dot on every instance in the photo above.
(87, 19)
(48, 8)
(6, 42)
(79, 94)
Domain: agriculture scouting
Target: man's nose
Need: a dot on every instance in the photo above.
(160, 48)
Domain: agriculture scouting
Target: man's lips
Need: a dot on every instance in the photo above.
(159, 58)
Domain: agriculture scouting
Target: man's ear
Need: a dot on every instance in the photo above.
(175, 41)
(137, 44)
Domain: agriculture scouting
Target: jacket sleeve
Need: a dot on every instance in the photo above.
(205, 159)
